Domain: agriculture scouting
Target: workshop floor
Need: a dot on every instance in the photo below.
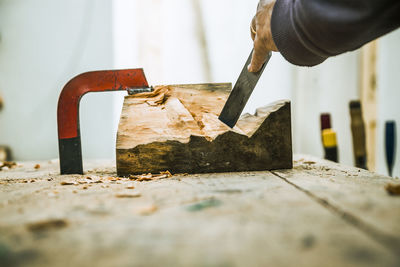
(318, 214)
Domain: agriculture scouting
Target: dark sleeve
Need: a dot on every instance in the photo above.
(307, 32)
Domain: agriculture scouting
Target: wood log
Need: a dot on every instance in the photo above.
(176, 128)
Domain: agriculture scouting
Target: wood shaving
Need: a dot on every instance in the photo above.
(166, 173)
(47, 225)
(129, 195)
(68, 183)
(150, 176)
(155, 98)
(393, 189)
(146, 210)
(6, 165)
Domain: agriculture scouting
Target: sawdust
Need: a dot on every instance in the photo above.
(47, 225)
(6, 165)
(393, 189)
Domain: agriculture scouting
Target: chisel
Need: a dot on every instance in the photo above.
(240, 93)
(358, 131)
(390, 145)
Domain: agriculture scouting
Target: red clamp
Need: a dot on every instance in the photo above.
(69, 138)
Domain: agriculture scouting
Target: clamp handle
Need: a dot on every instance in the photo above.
(69, 137)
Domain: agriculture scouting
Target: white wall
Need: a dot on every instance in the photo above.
(43, 44)
(328, 87)
(388, 86)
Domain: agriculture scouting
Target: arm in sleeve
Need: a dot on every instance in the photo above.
(307, 32)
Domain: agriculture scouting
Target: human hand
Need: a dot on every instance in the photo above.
(261, 34)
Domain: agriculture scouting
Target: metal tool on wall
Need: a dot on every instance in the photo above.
(329, 140)
(69, 139)
(358, 132)
(390, 145)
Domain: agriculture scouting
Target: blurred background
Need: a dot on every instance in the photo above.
(45, 43)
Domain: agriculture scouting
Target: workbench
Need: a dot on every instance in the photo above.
(317, 214)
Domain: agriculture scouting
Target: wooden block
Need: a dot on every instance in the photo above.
(176, 128)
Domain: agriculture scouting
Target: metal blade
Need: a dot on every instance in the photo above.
(240, 94)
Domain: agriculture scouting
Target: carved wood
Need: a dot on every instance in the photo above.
(176, 128)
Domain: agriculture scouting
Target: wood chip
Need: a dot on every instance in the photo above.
(68, 183)
(47, 225)
(150, 176)
(393, 189)
(166, 173)
(128, 195)
(146, 210)
(6, 165)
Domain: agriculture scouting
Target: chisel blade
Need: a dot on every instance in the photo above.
(240, 93)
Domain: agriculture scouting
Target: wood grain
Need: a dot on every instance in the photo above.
(225, 219)
(357, 195)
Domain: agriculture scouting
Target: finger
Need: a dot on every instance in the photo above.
(253, 28)
(259, 56)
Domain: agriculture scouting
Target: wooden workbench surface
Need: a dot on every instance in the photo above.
(318, 214)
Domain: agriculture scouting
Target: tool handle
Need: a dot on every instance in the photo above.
(390, 144)
(68, 109)
(358, 132)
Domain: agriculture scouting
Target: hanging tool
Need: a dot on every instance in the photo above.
(240, 93)
(390, 145)
(69, 139)
(325, 121)
(358, 131)
(329, 141)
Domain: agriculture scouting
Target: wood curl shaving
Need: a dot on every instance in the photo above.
(155, 98)
(150, 176)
